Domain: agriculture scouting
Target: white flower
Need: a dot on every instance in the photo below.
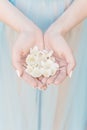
(29, 69)
(36, 72)
(50, 53)
(34, 50)
(41, 63)
(47, 73)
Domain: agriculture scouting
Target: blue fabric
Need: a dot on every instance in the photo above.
(25, 108)
(12, 1)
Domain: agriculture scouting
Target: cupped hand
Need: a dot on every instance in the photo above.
(25, 41)
(62, 52)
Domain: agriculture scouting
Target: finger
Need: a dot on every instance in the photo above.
(61, 77)
(70, 74)
(30, 80)
(24, 66)
(62, 64)
(61, 61)
(43, 87)
(71, 63)
(62, 71)
(52, 78)
(17, 62)
(39, 83)
(19, 69)
(40, 78)
(44, 80)
(18, 73)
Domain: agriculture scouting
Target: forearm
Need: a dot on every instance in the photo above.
(10, 15)
(72, 16)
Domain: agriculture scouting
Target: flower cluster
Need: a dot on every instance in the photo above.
(41, 63)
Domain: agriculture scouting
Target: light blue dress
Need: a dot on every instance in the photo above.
(59, 107)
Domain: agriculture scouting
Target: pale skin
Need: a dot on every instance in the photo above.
(30, 35)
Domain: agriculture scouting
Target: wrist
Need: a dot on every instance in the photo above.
(34, 33)
(28, 26)
(59, 28)
(30, 30)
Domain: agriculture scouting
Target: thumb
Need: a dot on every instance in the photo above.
(16, 61)
(19, 72)
(71, 63)
(19, 69)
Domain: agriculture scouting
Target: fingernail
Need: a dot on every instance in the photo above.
(70, 74)
(39, 88)
(56, 83)
(42, 89)
(45, 88)
(48, 83)
(33, 87)
(18, 73)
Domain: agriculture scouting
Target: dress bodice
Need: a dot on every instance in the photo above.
(42, 12)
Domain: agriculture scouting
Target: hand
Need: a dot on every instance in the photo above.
(25, 41)
(56, 42)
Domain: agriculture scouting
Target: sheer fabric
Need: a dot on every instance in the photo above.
(60, 107)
